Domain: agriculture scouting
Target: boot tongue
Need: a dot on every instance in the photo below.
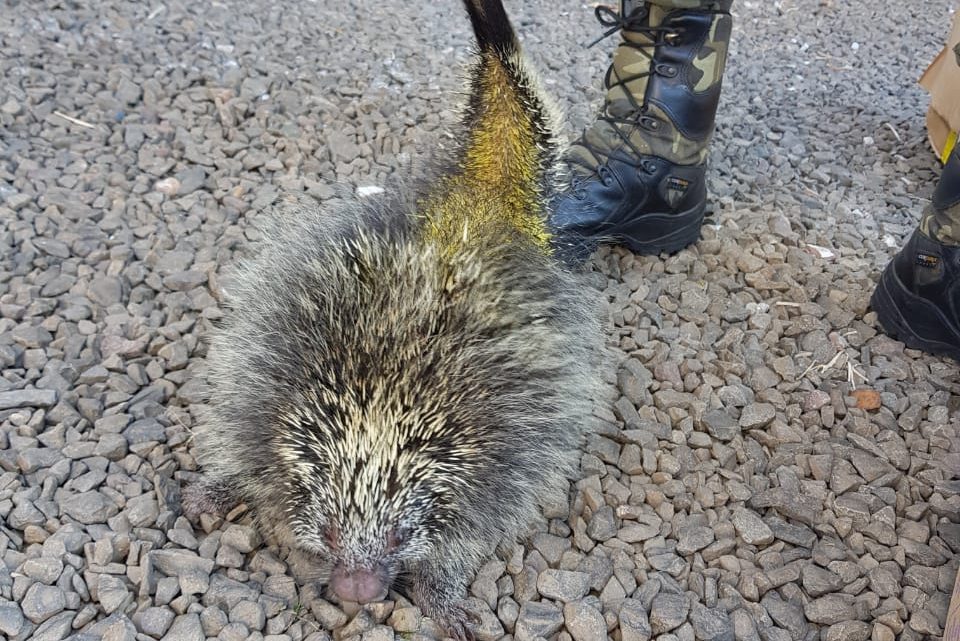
(582, 161)
(620, 108)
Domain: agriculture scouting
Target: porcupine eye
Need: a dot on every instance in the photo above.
(331, 534)
(397, 537)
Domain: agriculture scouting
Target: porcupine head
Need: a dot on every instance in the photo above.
(400, 389)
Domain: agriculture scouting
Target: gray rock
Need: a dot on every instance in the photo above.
(11, 619)
(751, 527)
(226, 593)
(602, 525)
(785, 614)
(116, 627)
(145, 431)
(191, 180)
(213, 620)
(176, 562)
(710, 624)
(814, 400)
(89, 507)
(112, 593)
(720, 425)
(250, 614)
(105, 290)
(853, 507)
(185, 627)
(361, 623)
(884, 584)
(744, 627)
(24, 515)
(634, 624)
(668, 612)
(691, 539)
(799, 535)
(331, 617)
(35, 458)
(192, 573)
(42, 602)
(402, 620)
(848, 631)
(341, 147)
(27, 398)
(52, 247)
(922, 553)
(55, 628)
(537, 620)
(926, 623)
(830, 609)
(488, 629)
(756, 415)
(112, 447)
(383, 633)
(563, 585)
(180, 282)
(803, 508)
(156, 621)
(44, 569)
(550, 546)
(584, 622)
(644, 527)
(237, 631)
(128, 92)
(142, 511)
(818, 581)
(31, 336)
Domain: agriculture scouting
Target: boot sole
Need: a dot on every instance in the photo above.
(678, 231)
(927, 329)
(671, 232)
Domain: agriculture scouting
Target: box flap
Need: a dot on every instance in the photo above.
(942, 79)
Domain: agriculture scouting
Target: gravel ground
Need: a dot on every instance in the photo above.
(742, 485)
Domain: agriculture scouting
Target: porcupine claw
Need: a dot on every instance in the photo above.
(433, 591)
(459, 623)
(206, 496)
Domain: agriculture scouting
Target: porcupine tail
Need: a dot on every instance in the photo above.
(509, 154)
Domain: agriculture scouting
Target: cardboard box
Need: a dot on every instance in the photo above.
(942, 80)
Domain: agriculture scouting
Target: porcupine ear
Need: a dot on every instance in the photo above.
(511, 141)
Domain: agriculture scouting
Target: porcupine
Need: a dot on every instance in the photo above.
(396, 386)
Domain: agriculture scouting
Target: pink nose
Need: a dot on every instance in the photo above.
(361, 586)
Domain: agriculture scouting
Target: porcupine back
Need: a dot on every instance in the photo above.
(427, 339)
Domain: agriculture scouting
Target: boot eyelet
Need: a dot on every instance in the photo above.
(649, 167)
(649, 123)
(604, 175)
(666, 71)
(672, 38)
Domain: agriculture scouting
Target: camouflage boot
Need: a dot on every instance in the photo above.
(638, 173)
(918, 297)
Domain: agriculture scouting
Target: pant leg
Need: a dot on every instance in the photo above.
(941, 218)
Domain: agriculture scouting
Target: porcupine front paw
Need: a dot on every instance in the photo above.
(454, 619)
(208, 496)
(441, 599)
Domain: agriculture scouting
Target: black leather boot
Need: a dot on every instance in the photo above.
(637, 174)
(918, 297)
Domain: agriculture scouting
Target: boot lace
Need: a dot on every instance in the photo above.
(637, 115)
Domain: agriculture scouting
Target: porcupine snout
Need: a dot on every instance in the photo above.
(360, 585)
